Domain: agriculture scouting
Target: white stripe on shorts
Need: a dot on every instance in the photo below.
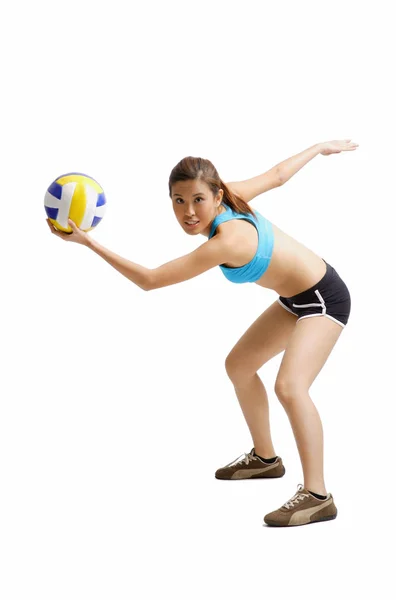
(287, 308)
(322, 314)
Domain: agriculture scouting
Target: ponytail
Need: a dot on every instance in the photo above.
(235, 201)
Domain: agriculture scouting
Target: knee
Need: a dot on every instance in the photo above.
(236, 370)
(287, 390)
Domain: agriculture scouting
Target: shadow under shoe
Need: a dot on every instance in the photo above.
(250, 466)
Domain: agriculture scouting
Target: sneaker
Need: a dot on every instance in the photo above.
(302, 509)
(250, 466)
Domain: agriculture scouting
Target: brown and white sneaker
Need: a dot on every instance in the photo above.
(251, 466)
(301, 509)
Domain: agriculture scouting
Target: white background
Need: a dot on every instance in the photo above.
(115, 413)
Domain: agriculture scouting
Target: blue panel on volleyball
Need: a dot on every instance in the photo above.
(101, 200)
(56, 190)
(52, 213)
(95, 221)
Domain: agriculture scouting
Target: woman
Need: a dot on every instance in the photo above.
(248, 248)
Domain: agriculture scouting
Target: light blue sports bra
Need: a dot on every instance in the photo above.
(253, 270)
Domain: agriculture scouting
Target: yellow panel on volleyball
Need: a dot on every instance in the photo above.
(80, 179)
(79, 202)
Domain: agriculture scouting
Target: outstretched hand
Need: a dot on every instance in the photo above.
(77, 235)
(337, 146)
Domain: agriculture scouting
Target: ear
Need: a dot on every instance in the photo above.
(221, 193)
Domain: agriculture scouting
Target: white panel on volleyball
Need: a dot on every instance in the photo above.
(66, 200)
(91, 210)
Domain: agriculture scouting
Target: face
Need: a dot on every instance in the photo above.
(193, 201)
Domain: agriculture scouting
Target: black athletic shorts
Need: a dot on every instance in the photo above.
(329, 298)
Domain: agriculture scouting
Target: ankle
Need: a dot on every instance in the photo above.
(317, 489)
(265, 452)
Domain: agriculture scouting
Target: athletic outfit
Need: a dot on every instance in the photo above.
(254, 269)
(329, 297)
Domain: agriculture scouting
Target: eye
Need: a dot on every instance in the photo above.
(181, 199)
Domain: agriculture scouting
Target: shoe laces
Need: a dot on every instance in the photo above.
(298, 496)
(246, 457)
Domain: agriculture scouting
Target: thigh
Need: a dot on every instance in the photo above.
(307, 351)
(265, 338)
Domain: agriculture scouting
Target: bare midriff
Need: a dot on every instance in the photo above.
(293, 267)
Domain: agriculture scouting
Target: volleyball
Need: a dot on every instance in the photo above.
(77, 197)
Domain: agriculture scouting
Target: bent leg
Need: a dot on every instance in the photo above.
(308, 350)
(265, 338)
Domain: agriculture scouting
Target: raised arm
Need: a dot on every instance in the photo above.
(280, 173)
(250, 188)
(275, 177)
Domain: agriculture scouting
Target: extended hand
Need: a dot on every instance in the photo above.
(337, 146)
(77, 235)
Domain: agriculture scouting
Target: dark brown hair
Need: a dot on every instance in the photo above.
(191, 168)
